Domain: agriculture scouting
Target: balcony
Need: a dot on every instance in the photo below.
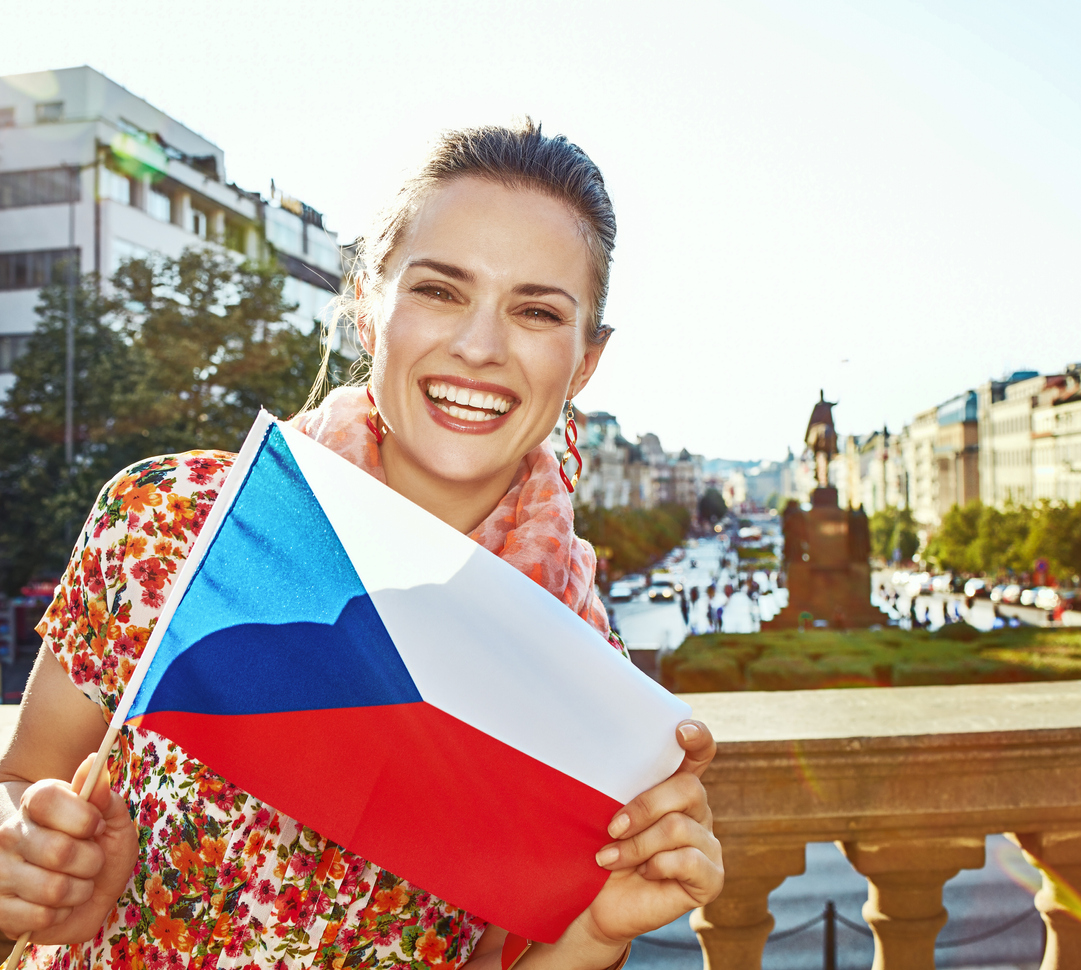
(908, 781)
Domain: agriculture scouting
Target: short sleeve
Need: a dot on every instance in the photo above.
(139, 532)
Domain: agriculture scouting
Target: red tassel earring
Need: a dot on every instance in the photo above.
(375, 420)
(570, 433)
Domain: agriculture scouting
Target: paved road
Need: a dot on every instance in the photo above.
(646, 625)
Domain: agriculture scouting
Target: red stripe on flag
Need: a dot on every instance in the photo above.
(425, 796)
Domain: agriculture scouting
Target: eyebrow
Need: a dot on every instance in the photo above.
(465, 276)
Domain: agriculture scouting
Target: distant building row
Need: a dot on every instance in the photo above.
(87, 165)
(617, 472)
(1013, 440)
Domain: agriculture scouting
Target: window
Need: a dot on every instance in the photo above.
(7, 117)
(198, 223)
(113, 185)
(12, 346)
(122, 249)
(160, 206)
(235, 236)
(47, 112)
(38, 186)
(32, 269)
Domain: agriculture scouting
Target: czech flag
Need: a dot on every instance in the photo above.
(351, 660)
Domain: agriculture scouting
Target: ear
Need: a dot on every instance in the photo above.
(588, 365)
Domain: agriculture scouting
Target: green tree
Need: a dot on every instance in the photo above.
(905, 538)
(178, 356)
(954, 544)
(881, 525)
(637, 537)
(1001, 539)
(892, 530)
(1055, 535)
(711, 506)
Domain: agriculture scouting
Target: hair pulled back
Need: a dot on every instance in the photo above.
(519, 156)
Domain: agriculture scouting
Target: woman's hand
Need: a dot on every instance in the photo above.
(64, 861)
(665, 859)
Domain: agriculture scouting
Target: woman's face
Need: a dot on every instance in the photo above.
(481, 336)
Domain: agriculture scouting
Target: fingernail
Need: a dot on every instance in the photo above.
(619, 825)
(100, 830)
(607, 856)
(689, 731)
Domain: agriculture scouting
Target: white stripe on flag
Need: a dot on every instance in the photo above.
(489, 646)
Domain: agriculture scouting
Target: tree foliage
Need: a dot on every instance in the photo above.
(176, 354)
(637, 537)
(978, 538)
(711, 506)
(893, 531)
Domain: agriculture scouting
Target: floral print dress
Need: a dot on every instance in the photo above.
(223, 880)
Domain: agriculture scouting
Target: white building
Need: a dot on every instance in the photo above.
(85, 164)
(921, 468)
(1006, 443)
(1056, 439)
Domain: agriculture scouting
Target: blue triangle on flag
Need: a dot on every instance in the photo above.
(275, 619)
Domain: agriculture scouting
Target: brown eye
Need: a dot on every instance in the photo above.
(541, 315)
(438, 293)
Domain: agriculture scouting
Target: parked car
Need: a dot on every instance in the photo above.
(664, 588)
(941, 584)
(1027, 597)
(1011, 594)
(996, 593)
(976, 587)
(1046, 598)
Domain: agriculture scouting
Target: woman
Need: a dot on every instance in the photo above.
(479, 298)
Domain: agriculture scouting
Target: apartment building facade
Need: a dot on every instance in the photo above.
(91, 174)
(957, 450)
(617, 472)
(1056, 439)
(921, 468)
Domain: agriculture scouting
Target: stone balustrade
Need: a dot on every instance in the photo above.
(908, 782)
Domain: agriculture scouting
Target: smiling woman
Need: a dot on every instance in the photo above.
(479, 297)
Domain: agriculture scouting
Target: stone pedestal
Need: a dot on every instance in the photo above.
(826, 565)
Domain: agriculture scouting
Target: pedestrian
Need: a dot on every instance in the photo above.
(489, 273)
(684, 607)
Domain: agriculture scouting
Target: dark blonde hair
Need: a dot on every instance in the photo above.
(517, 157)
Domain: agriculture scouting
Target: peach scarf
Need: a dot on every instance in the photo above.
(532, 527)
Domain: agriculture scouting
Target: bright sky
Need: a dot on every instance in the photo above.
(877, 198)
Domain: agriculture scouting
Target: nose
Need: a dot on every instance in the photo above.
(480, 337)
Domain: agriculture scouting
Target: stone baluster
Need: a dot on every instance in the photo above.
(1058, 856)
(733, 928)
(904, 893)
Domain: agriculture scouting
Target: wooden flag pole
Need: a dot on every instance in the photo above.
(100, 760)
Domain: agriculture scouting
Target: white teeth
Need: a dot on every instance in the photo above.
(478, 400)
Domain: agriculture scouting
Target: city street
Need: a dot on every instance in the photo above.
(646, 625)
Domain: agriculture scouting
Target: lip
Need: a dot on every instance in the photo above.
(467, 427)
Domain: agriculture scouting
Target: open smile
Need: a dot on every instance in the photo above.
(470, 402)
